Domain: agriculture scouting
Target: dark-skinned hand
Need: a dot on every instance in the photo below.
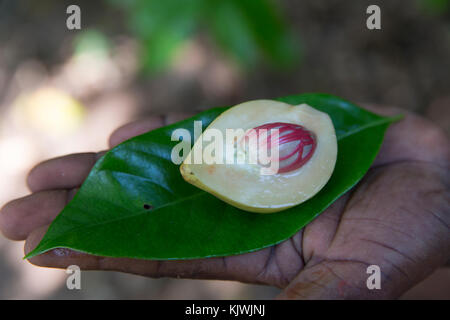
(397, 217)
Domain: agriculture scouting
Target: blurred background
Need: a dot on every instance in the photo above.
(64, 91)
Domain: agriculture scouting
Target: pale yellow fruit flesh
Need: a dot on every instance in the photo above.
(242, 185)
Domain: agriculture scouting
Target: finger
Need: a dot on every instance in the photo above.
(386, 111)
(63, 172)
(21, 216)
(345, 279)
(331, 280)
(133, 129)
(62, 258)
(411, 138)
(176, 116)
(136, 128)
(417, 139)
(243, 268)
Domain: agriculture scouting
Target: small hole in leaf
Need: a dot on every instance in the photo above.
(147, 206)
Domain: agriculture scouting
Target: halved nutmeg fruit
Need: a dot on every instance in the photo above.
(272, 155)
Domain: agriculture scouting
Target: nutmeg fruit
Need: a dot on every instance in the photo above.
(264, 156)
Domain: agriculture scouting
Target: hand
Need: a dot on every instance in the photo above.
(397, 217)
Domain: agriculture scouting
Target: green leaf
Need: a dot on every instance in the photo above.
(107, 217)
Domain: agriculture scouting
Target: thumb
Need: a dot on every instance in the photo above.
(242, 267)
(341, 279)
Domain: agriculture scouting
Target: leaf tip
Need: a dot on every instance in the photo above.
(29, 255)
(35, 252)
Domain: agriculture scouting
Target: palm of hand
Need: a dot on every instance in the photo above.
(397, 218)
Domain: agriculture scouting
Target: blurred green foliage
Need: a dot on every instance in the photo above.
(251, 31)
(436, 6)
